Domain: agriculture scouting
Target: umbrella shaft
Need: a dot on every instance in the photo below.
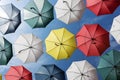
(32, 8)
(67, 5)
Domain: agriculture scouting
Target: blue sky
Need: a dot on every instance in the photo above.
(88, 18)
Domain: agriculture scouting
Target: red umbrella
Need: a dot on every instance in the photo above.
(18, 73)
(92, 40)
(102, 7)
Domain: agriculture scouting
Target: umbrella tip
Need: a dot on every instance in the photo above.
(51, 76)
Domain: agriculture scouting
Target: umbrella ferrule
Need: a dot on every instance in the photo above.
(58, 44)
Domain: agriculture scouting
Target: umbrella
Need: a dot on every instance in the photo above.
(10, 18)
(102, 7)
(92, 39)
(60, 44)
(69, 11)
(81, 70)
(0, 77)
(115, 30)
(49, 72)
(28, 48)
(18, 73)
(38, 13)
(5, 51)
(109, 66)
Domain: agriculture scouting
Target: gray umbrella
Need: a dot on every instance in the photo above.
(49, 72)
(10, 18)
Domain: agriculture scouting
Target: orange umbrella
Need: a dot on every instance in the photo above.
(18, 73)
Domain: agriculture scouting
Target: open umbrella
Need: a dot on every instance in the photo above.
(28, 48)
(102, 7)
(69, 11)
(10, 18)
(60, 44)
(81, 70)
(92, 39)
(18, 73)
(49, 72)
(5, 51)
(0, 77)
(109, 66)
(115, 29)
(38, 13)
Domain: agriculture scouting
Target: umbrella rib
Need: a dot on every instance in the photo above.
(12, 75)
(95, 31)
(26, 40)
(77, 5)
(59, 52)
(21, 44)
(4, 18)
(88, 32)
(34, 55)
(16, 70)
(66, 51)
(58, 73)
(102, 34)
(78, 67)
(77, 77)
(48, 10)
(107, 60)
(27, 56)
(63, 35)
(84, 43)
(82, 36)
(73, 72)
(75, 15)
(64, 14)
(27, 75)
(109, 73)
(89, 47)
(56, 36)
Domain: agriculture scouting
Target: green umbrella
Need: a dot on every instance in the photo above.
(38, 13)
(5, 51)
(109, 66)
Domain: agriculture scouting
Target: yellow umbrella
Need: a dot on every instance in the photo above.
(0, 77)
(60, 44)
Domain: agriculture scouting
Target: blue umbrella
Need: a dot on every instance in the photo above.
(49, 72)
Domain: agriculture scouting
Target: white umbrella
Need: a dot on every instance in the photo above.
(81, 70)
(10, 18)
(28, 48)
(69, 11)
(115, 29)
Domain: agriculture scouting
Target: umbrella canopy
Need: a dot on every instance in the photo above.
(109, 66)
(81, 70)
(69, 11)
(28, 48)
(60, 44)
(115, 29)
(102, 7)
(0, 77)
(92, 39)
(38, 13)
(49, 72)
(18, 73)
(5, 51)
(10, 18)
